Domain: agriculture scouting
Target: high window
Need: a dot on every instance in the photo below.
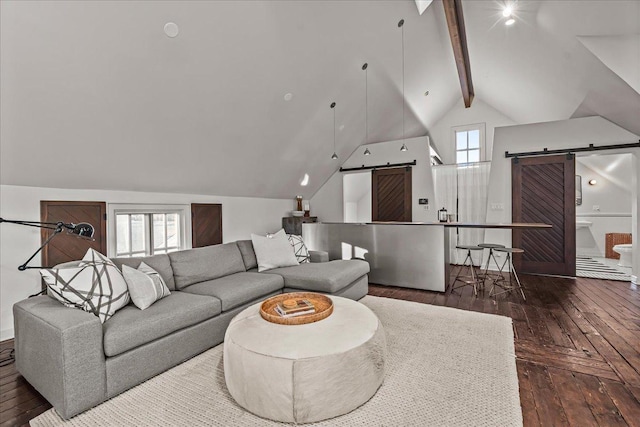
(141, 231)
(469, 141)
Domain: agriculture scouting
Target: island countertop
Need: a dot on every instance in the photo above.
(513, 225)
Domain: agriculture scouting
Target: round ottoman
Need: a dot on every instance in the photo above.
(305, 373)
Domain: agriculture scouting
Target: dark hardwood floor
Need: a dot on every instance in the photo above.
(577, 346)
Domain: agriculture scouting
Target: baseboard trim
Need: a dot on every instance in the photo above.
(634, 279)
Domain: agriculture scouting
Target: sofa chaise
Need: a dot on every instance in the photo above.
(76, 362)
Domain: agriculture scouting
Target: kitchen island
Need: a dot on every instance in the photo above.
(407, 254)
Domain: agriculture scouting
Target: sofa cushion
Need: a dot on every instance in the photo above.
(248, 254)
(239, 288)
(94, 285)
(273, 251)
(326, 277)
(146, 285)
(207, 263)
(131, 327)
(159, 263)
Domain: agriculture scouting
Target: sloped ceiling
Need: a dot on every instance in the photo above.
(95, 95)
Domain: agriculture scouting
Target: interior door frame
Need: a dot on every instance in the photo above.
(408, 197)
(569, 214)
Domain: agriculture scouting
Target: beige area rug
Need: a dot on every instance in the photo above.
(445, 367)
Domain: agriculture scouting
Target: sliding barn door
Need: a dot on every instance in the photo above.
(543, 190)
(206, 224)
(391, 194)
(66, 247)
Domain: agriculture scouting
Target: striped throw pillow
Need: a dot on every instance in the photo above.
(146, 286)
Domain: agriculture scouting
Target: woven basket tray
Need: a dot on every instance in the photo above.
(322, 304)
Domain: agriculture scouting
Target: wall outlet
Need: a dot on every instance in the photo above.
(426, 207)
(596, 208)
(497, 206)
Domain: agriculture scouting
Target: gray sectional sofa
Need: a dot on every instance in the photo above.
(76, 362)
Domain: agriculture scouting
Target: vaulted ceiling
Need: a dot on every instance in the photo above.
(95, 95)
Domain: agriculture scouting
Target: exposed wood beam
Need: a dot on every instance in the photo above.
(455, 22)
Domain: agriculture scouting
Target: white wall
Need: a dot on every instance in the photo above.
(458, 115)
(328, 204)
(364, 207)
(552, 135)
(241, 216)
(613, 202)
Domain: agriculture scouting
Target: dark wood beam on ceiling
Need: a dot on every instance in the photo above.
(455, 22)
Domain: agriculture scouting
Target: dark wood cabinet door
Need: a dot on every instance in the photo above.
(65, 247)
(543, 190)
(391, 194)
(206, 224)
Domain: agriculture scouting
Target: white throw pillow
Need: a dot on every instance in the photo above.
(273, 251)
(146, 286)
(94, 285)
(299, 248)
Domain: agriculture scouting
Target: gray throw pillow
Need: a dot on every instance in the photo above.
(273, 251)
(146, 286)
(95, 285)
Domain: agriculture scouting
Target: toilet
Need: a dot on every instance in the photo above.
(625, 252)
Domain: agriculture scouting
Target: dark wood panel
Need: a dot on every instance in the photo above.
(206, 224)
(391, 195)
(65, 247)
(543, 190)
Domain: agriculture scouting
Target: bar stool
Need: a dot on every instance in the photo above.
(512, 272)
(472, 279)
(491, 247)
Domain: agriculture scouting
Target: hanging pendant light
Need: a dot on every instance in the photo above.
(401, 26)
(334, 156)
(366, 108)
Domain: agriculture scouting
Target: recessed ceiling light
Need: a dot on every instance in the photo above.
(509, 22)
(593, 182)
(171, 29)
(305, 180)
(341, 128)
(288, 96)
(507, 11)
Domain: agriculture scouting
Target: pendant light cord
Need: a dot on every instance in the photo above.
(366, 103)
(334, 156)
(403, 100)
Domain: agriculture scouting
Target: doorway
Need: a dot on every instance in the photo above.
(604, 215)
(357, 197)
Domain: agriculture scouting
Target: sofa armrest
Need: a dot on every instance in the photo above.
(318, 256)
(59, 351)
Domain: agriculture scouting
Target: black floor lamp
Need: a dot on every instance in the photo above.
(83, 229)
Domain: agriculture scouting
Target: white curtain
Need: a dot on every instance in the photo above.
(462, 190)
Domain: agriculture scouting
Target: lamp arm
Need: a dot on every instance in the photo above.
(38, 224)
(24, 267)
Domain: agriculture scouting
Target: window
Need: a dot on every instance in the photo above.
(143, 231)
(469, 142)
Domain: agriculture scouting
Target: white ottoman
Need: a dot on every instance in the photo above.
(305, 373)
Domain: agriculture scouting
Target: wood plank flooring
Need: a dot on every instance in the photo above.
(577, 346)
